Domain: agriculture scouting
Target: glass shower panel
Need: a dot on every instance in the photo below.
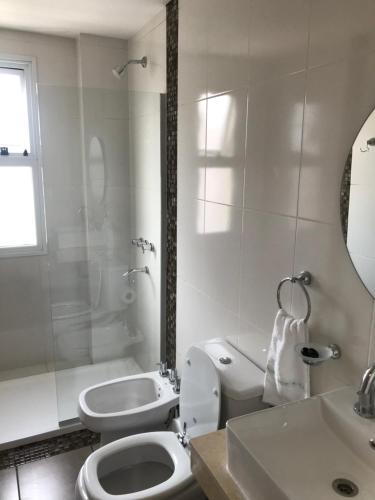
(104, 325)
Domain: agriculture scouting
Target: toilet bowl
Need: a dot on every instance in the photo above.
(127, 405)
(156, 465)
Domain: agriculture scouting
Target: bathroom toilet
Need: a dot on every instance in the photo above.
(156, 465)
(127, 405)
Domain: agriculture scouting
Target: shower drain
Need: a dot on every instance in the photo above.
(345, 487)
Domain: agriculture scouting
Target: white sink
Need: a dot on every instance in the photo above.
(296, 451)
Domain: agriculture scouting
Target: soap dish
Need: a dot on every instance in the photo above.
(315, 354)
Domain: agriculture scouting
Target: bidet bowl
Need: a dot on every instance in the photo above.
(127, 405)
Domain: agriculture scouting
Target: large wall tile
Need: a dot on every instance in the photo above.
(274, 136)
(300, 126)
(222, 247)
(339, 99)
(227, 45)
(192, 150)
(341, 306)
(97, 60)
(340, 29)
(192, 50)
(213, 320)
(153, 45)
(145, 151)
(190, 235)
(24, 312)
(225, 148)
(267, 256)
(278, 37)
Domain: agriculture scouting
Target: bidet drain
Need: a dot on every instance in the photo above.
(345, 487)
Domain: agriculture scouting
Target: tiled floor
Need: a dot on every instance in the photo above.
(49, 479)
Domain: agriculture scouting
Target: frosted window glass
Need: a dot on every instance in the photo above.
(14, 122)
(17, 208)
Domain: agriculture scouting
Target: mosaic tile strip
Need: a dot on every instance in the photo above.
(345, 195)
(171, 160)
(47, 448)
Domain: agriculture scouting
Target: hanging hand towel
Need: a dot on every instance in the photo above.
(287, 377)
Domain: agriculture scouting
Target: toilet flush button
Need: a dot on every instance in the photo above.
(215, 392)
(225, 360)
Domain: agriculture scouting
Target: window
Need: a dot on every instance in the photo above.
(22, 226)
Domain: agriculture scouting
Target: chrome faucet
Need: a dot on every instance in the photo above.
(136, 270)
(365, 406)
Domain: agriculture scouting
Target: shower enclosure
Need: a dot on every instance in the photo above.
(106, 320)
(77, 316)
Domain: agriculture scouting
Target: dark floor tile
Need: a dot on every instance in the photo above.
(52, 478)
(8, 484)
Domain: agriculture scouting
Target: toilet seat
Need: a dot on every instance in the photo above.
(180, 478)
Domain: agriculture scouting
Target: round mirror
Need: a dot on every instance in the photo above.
(96, 170)
(358, 203)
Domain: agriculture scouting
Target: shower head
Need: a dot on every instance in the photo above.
(119, 71)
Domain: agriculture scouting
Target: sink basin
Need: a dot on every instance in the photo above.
(297, 451)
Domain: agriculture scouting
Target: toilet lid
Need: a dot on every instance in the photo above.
(200, 394)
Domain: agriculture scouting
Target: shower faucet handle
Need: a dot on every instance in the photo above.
(163, 369)
(137, 241)
(147, 245)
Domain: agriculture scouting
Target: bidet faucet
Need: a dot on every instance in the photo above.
(365, 406)
(163, 368)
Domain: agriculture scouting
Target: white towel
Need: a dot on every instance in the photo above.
(287, 377)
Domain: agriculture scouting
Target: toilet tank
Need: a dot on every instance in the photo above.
(241, 381)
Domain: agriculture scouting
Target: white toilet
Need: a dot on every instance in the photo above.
(128, 405)
(156, 465)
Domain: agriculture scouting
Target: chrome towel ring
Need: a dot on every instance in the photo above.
(302, 279)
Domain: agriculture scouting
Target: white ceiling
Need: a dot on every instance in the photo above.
(116, 18)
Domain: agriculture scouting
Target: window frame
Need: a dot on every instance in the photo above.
(33, 160)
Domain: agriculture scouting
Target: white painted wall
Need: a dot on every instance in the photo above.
(271, 97)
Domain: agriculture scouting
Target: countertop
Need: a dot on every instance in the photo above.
(209, 466)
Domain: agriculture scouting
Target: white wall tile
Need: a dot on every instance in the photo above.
(213, 319)
(341, 306)
(227, 45)
(274, 141)
(278, 37)
(339, 96)
(145, 151)
(225, 148)
(192, 50)
(222, 249)
(192, 150)
(97, 62)
(340, 29)
(267, 256)
(190, 235)
(55, 56)
(153, 46)
(24, 301)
